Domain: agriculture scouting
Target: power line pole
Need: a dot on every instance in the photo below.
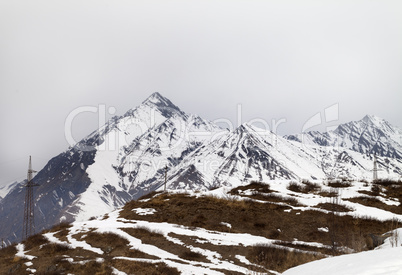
(29, 218)
(375, 169)
(165, 176)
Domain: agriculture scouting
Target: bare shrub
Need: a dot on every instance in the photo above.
(280, 198)
(334, 207)
(150, 230)
(375, 189)
(60, 226)
(258, 187)
(35, 240)
(394, 239)
(133, 267)
(339, 183)
(150, 195)
(8, 251)
(387, 182)
(56, 248)
(311, 187)
(295, 187)
(306, 187)
(191, 255)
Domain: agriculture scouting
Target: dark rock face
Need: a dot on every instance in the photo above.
(60, 182)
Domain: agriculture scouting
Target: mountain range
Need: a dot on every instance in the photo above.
(156, 146)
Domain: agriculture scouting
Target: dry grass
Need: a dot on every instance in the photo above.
(388, 182)
(61, 226)
(55, 249)
(151, 237)
(150, 195)
(140, 268)
(305, 187)
(279, 259)
(304, 247)
(330, 194)
(34, 241)
(227, 252)
(254, 185)
(385, 188)
(7, 261)
(51, 259)
(61, 266)
(374, 202)
(261, 219)
(334, 207)
(274, 198)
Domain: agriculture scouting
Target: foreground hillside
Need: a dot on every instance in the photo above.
(246, 230)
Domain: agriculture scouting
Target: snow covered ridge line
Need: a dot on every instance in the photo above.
(152, 108)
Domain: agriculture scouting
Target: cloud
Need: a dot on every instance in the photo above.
(278, 59)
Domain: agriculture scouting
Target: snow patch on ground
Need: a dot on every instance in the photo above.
(323, 229)
(228, 225)
(144, 211)
(21, 253)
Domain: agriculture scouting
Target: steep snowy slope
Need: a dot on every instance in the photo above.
(250, 153)
(232, 160)
(4, 190)
(164, 147)
(136, 149)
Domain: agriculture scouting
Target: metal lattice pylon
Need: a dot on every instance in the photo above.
(375, 168)
(29, 218)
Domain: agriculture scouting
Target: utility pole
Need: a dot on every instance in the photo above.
(375, 169)
(29, 218)
(165, 176)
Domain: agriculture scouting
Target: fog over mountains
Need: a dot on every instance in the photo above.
(136, 153)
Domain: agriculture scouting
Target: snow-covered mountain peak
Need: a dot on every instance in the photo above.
(256, 132)
(157, 99)
(163, 104)
(373, 126)
(155, 103)
(255, 129)
(372, 119)
(369, 135)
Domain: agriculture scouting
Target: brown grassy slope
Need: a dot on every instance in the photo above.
(268, 219)
(262, 219)
(52, 258)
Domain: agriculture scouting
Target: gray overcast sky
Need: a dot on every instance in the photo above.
(279, 59)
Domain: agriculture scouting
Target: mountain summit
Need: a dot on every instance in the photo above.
(156, 143)
(158, 100)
